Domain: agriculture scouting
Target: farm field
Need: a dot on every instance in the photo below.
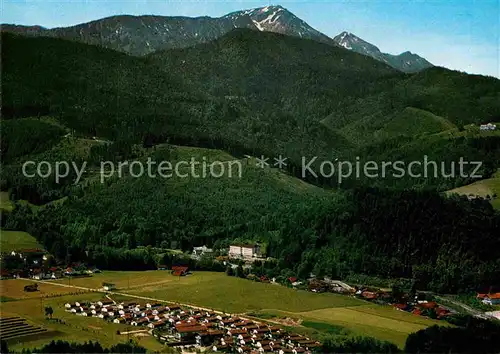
(71, 328)
(209, 290)
(221, 292)
(213, 290)
(14, 240)
(13, 289)
(382, 322)
(218, 291)
(13, 328)
(122, 280)
(483, 188)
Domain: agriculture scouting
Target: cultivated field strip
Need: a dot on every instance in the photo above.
(13, 327)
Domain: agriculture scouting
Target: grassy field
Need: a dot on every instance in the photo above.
(71, 328)
(382, 322)
(231, 294)
(218, 291)
(209, 290)
(122, 280)
(214, 290)
(5, 202)
(482, 188)
(13, 289)
(14, 240)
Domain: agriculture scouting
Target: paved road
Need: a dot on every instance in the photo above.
(467, 308)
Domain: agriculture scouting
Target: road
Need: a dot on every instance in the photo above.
(467, 308)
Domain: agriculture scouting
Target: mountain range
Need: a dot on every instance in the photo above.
(142, 35)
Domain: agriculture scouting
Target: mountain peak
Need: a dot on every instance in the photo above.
(276, 18)
(353, 42)
(407, 61)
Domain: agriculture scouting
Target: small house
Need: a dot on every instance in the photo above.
(108, 286)
(139, 322)
(157, 324)
(104, 303)
(488, 127)
(201, 251)
(179, 271)
(38, 274)
(489, 299)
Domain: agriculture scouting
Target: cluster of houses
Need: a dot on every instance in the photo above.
(31, 255)
(424, 308)
(34, 263)
(24, 263)
(488, 127)
(181, 327)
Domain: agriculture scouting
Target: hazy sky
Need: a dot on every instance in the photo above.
(458, 34)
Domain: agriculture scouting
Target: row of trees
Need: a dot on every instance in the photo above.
(60, 346)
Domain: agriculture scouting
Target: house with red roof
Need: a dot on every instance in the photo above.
(179, 270)
(489, 299)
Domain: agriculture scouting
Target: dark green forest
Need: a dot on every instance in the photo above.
(250, 93)
(245, 94)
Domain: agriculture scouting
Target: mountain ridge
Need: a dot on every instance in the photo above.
(146, 34)
(406, 61)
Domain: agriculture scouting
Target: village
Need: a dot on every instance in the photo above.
(184, 327)
(33, 264)
(38, 264)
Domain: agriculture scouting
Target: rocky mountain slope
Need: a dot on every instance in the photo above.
(141, 35)
(406, 62)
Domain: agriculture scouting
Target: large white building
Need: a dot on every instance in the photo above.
(244, 251)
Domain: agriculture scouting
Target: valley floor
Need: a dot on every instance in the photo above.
(211, 290)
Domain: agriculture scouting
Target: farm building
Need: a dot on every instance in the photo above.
(201, 251)
(179, 270)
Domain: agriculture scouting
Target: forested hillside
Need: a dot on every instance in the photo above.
(91, 90)
(251, 93)
(256, 93)
(417, 235)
